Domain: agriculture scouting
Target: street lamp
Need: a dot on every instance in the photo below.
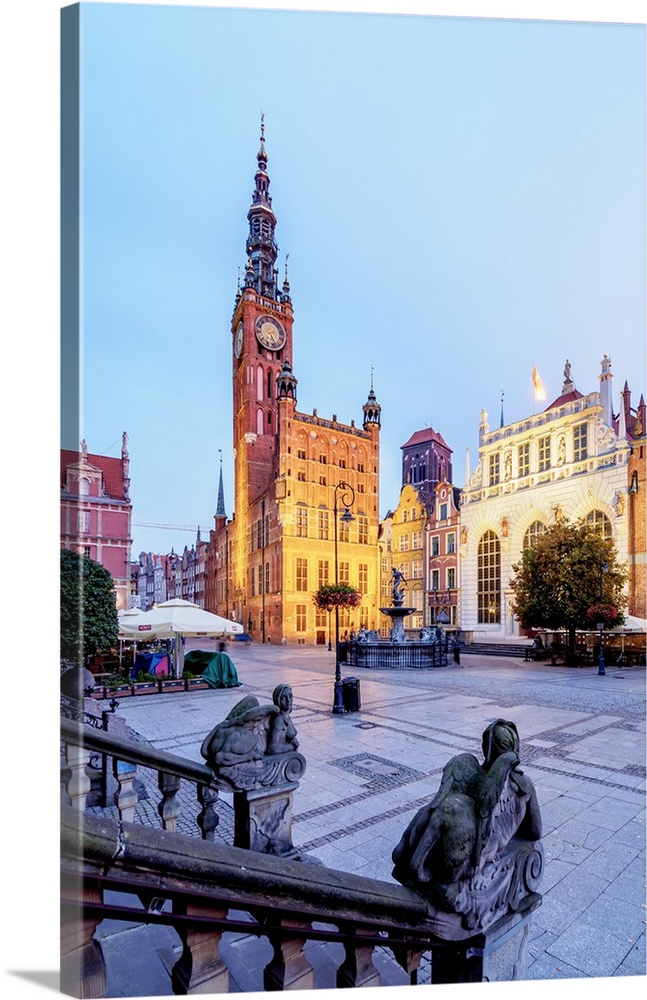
(601, 670)
(347, 498)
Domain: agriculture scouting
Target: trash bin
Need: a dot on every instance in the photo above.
(351, 695)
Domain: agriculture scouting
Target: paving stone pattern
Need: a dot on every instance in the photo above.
(368, 772)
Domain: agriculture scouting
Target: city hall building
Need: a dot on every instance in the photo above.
(572, 460)
(295, 473)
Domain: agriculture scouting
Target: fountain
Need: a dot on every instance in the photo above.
(398, 651)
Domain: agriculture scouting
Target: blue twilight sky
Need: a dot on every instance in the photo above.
(459, 198)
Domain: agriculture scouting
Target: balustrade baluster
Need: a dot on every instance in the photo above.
(357, 969)
(126, 796)
(288, 969)
(78, 784)
(208, 818)
(169, 808)
(200, 969)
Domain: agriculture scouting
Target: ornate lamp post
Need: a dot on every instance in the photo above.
(347, 498)
(601, 670)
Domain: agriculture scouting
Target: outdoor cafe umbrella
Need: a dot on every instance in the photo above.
(174, 619)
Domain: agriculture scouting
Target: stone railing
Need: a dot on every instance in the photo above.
(127, 871)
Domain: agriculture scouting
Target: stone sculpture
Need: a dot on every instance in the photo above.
(255, 746)
(253, 752)
(474, 852)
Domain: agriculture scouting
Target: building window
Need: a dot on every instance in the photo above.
(301, 477)
(416, 569)
(301, 453)
(443, 512)
(451, 578)
(489, 579)
(267, 578)
(322, 524)
(322, 572)
(544, 453)
(301, 617)
(385, 588)
(322, 480)
(435, 545)
(323, 459)
(342, 463)
(404, 543)
(83, 522)
(362, 571)
(344, 531)
(405, 516)
(580, 451)
(344, 572)
(302, 522)
(416, 540)
(523, 459)
(260, 579)
(302, 574)
(535, 531)
(451, 543)
(413, 513)
(435, 579)
(598, 520)
(494, 469)
(385, 564)
(362, 528)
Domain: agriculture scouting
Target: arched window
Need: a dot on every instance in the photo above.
(259, 383)
(259, 421)
(269, 383)
(535, 531)
(489, 579)
(600, 522)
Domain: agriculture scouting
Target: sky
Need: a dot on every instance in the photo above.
(460, 198)
(456, 203)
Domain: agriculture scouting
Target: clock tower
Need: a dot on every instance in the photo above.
(278, 547)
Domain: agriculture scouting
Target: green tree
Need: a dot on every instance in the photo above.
(88, 607)
(570, 579)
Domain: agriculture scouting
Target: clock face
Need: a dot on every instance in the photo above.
(270, 333)
(238, 344)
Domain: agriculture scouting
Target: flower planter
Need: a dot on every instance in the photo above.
(98, 692)
(123, 691)
(196, 684)
(177, 685)
(145, 687)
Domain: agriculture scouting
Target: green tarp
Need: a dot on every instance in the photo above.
(216, 669)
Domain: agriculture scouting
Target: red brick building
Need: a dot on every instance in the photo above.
(96, 512)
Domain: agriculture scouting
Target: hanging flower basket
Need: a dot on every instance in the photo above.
(606, 614)
(336, 595)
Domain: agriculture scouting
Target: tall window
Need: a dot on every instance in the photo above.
(495, 469)
(301, 617)
(322, 572)
(601, 523)
(451, 543)
(543, 451)
(344, 531)
(302, 522)
(362, 529)
(83, 522)
(489, 579)
(404, 542)
(451, 578)
(535, 531)
(362, 571)
(523, 459)
(416, 539)
(435, 545)
(416, 569)
(344, 572)
(322, 524)
(435, 579)
(302, 574)
(580, 451)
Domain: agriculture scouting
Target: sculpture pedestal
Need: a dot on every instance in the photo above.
(397, 616)
(263, 820)
(499, 954)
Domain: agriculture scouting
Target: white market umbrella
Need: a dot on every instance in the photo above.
(175, 618)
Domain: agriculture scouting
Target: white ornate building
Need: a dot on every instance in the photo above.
(569, 460)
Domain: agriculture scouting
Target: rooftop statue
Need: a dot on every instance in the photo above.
(475, 850)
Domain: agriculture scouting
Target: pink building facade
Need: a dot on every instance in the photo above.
(96, 512)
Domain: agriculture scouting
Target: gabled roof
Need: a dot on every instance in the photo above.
(428, 434)
(110, 468)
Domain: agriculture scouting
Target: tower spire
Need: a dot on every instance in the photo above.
(220, 508)
(262, 251)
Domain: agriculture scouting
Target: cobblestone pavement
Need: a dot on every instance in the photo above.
(368, 772)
